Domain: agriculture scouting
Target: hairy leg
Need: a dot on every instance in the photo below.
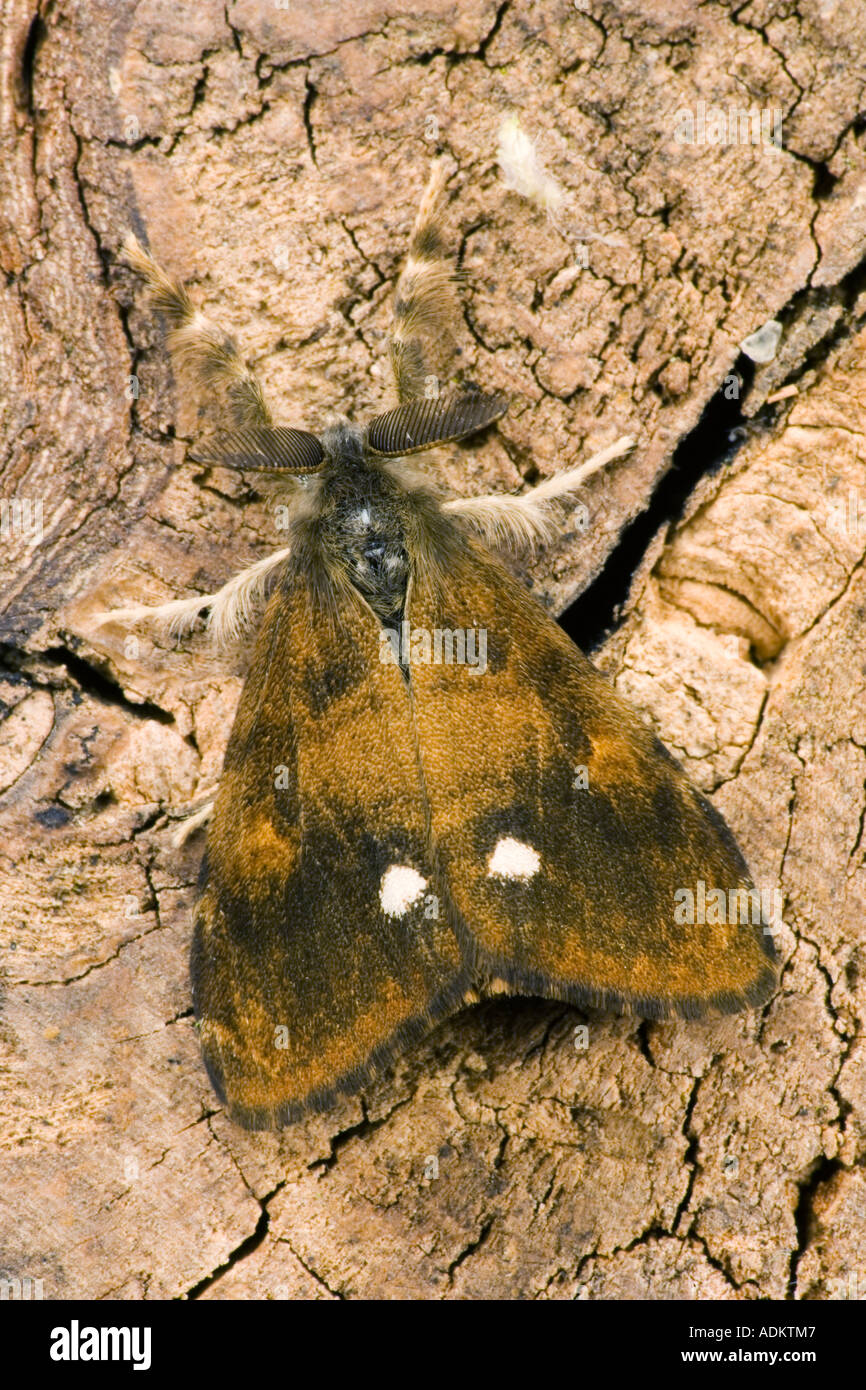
(425, 304)
(502, 518)
(197, 342)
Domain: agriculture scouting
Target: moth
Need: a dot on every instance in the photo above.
(402, 827)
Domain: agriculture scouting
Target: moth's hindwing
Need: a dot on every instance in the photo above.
(319, 945)
(564, 828)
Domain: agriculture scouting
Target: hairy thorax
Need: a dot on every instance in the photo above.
(362, 525)
(371, 540)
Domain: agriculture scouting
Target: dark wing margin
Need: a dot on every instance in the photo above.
(425, 422)
(311, 967)
(567, 835)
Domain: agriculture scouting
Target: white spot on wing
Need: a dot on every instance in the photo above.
(513, 859)
(401, 887)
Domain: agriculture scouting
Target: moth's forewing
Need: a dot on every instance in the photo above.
(596, 825)
(302, 981)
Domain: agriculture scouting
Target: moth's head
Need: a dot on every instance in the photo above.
(341, 442)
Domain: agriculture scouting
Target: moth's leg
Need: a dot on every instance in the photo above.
(501, 517)
(425, 304)
(200, 344)
(231, 607)
(191, 823)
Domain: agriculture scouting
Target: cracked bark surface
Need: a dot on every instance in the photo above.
(273, 158)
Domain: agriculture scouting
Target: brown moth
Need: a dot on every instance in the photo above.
(429, 794)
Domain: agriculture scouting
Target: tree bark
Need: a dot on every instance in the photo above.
(273, 158)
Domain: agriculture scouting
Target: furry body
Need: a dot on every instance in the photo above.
(393, 839)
